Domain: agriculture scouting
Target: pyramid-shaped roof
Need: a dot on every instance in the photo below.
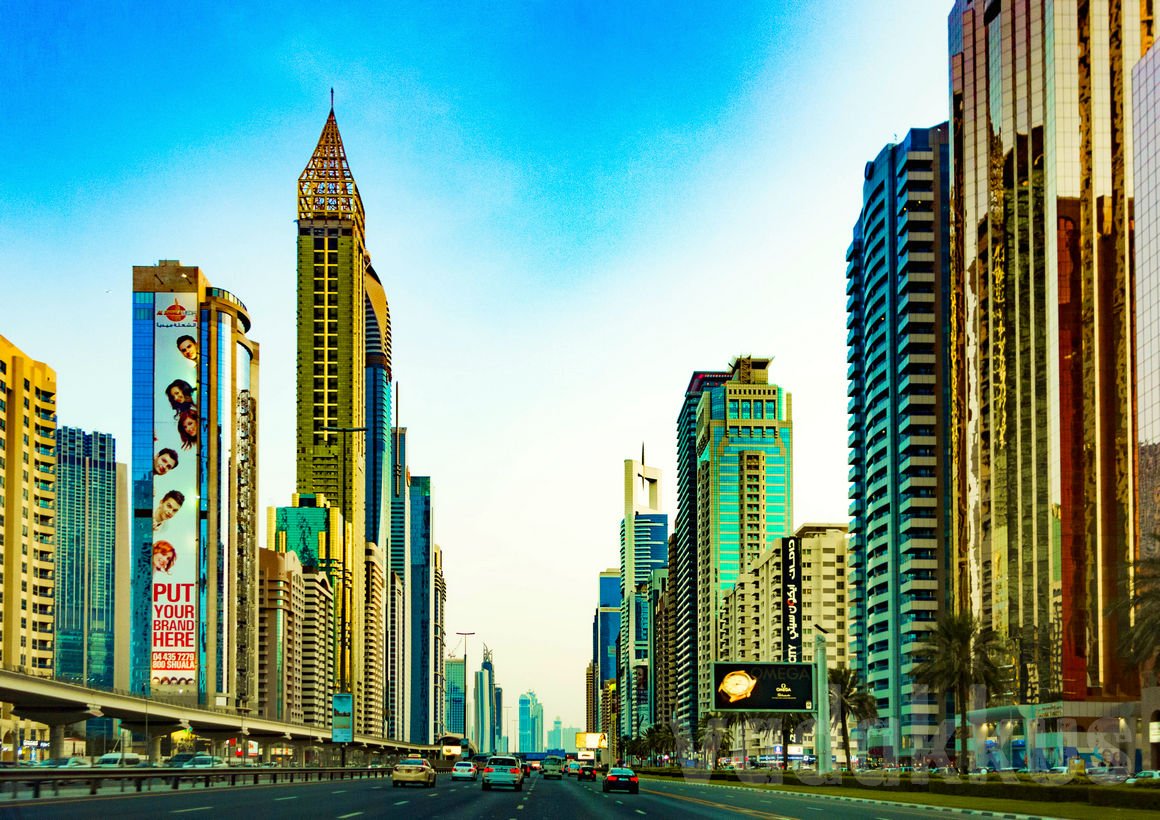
(326, 188)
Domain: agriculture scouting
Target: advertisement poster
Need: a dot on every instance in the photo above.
(342, 720)
(763, 687)
(791, 609)
(177, 432)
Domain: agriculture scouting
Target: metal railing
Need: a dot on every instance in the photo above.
(37, 780)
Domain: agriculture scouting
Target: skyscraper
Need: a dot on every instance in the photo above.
(332, 366)
(420, 590)
(439, 643)
(605, 631)
(683, 559)
(486, 719)
(896, 281)
(1042, 338)
(282, 616)
(87, 508)
(194, 622)
(644, 543)
(27, 521)
(378, 412)
(744, 491)
(399, 565)
(531, 717)
(456, 698)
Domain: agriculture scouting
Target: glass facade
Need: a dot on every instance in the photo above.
(86, 526)
(683, 560)
(1042, 335)
(419, 590)
(456, 699)
(896, 283)
(398, 562)
(744, 441)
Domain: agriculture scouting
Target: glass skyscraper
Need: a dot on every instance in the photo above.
(419, 591)
(605, 632)
(897, 288)
(744, 491)
(683, 558)
(1042, 338)
(456, 698)
(86, 529)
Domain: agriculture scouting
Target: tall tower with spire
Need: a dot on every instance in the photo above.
(333, 270)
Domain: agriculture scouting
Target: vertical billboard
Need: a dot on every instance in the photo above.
(791, 606)
(342, 718)
(177, 432)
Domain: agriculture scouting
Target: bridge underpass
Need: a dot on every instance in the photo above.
(58, 704)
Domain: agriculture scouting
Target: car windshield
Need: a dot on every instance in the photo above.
(463, 765)
(503, 761)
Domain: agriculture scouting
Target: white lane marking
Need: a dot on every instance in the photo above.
(520, 807)
(292, 797)
(185, 811)
(339, 791)
(620, 802)
(638, 811)
(402, 802)
(345, 816)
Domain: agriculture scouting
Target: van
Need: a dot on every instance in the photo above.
(553, 767)
(116, 760)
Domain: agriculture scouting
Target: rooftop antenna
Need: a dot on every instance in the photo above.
(332, 99)
(642, 454)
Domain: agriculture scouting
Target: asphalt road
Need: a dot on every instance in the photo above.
(540, 800)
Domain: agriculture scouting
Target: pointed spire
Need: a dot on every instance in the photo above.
(326, 188)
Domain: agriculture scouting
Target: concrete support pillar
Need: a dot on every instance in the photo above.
(267, 749)
(300, 753)
(154, 743)
(56, 740)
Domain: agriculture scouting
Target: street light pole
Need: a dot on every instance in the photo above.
(347, 573)
(465, 636)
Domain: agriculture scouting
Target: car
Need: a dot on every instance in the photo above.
(205, 762)
(1108, 774)
(621, 778)
(1146, 775)
(180, 759)
(503, 771)
(413, 770)
(553, 767)
(536, 765)
(464, 770)
(587, 773)
(526, 767)
(64, 763)
(118, 760)
(573, 768)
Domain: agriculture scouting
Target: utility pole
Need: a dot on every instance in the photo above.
(465, 636)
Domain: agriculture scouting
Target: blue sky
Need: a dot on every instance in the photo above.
(572, 206)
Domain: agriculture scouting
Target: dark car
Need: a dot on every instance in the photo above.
(587, 773)
(620, 778)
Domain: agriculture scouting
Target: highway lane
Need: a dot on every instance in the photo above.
(540, 800)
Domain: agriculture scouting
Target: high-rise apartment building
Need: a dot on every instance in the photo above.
(1043, 341)
(644, 544)
(439, 642)
(591, 699)
(744, 491)
(683, 555)
(28, 495)
(420, 591)
(87, 509)
(399, 649)
(395, 712)
(486, 716)
(194, 620)
(896, 281)
(662, 636)
(757, 625)
(456, 695)
(281, 618)
(371, 716)
(317, 648)
(605, 632)
(378, 412)
(333, 307)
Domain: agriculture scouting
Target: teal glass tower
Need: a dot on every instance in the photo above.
(86, 527)
(896, 282)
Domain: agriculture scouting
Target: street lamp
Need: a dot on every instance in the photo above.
(465, 636)
(344, 615)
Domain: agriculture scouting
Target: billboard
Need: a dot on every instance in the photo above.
(175, 555)
(591, 740)
(791, 602)
(342, 718)
(763, 687)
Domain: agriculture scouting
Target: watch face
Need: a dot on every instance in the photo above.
(737, 685)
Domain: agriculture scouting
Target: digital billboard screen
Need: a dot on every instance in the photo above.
(763, 687)
(342, 718)
(591, 740)
(175, 554)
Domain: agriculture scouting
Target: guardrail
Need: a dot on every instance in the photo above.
(37, 780)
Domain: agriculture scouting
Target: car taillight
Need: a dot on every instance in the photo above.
(515, 771)
(488, 769)
(610, 777)
(633, 779)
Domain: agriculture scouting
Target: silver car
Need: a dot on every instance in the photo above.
(503, 771)
(464, 770)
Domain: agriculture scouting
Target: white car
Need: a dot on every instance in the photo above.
(464, 770)
(205, 762)
(503, 771)
(1147, 775)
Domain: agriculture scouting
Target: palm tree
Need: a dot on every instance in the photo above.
(959, 655)
(849, 699)
(712, 734)
(1140, 642)
(660, 739)
(790, 721)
